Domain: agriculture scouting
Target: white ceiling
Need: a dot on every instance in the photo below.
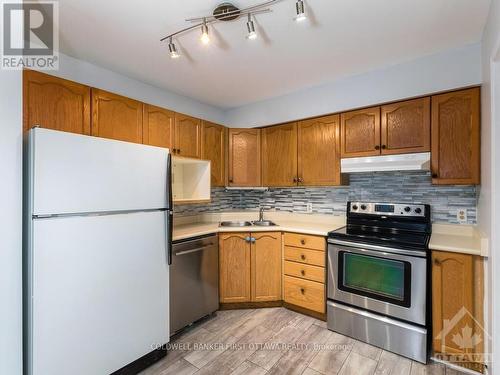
(339, 39)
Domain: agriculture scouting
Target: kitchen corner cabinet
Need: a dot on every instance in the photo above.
(318, 150)
(250, 267)
(244, 151)
(279, 155)
(406, 127)
(360, 133)
(455, 156)
(457, 296)
(213, 148)
(187, 136)
(116, 117)
(158, 126)
(55, 103)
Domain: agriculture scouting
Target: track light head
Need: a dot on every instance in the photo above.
(205, 39)
(300, 9)
(251, 28)
(173, 50)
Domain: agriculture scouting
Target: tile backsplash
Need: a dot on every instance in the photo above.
(409, 187)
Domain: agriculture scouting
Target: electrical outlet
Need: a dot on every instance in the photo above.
(462, 215)
(309, 207)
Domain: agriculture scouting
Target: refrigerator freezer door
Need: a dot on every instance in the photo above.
(100, 292)
(73, 173)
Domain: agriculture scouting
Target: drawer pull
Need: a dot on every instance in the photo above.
(302, 272)
(302, 290)
(302, 256)
(302, 241)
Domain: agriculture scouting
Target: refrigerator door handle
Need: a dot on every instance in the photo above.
(170, 210)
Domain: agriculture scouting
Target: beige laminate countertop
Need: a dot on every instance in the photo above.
(464, 239)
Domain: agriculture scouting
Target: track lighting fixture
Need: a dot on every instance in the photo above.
(251, 28)
(173, 50)
(229, 12)
(205, 39)
(300, 9)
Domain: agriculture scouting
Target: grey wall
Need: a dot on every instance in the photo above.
(411, 187)
(10, 222)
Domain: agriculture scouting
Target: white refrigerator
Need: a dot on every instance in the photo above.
(98, 229)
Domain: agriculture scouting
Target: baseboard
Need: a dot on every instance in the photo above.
(142, 363)
(249, 305)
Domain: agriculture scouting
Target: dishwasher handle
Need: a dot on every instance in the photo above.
(194, 250)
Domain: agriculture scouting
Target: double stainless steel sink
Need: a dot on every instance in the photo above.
(259, 223)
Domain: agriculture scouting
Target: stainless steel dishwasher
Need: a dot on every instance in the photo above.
(194, 280)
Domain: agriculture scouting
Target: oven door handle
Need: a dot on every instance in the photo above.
(415, 253)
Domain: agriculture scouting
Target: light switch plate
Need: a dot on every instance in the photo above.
(309, 207)
(462, 215)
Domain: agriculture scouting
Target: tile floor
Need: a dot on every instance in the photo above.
(278, 341)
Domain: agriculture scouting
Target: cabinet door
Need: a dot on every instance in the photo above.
(406, 127)
(244, 157)
(55, 103)
(452, 291)
(187, 136)
(234, 267)
(279, 155)
(116, 117)
(319, 151)
(456, 137)
(158, 126)
(360, 133)
(213, 148)
(266, 267)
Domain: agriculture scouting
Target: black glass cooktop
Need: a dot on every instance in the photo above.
(389, 237)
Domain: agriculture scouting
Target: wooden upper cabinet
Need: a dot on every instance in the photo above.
(116, 117)
(406, 127)
(266, 266)
(360, 133)
(456, 138)
(55, 103)
(158, 126)
(244, 153)
(213, 148)
(279, 155)
(234, 268)
(319, 151)
(187, 136)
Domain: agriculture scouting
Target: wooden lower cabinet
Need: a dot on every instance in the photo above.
(266, 266)
(250, 267)
(304, 283)
(457, 306)
(234, 268)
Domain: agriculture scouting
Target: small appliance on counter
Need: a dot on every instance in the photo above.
(378, 277)
(98, 226)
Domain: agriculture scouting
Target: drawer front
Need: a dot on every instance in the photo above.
(305, 271)
(305, 241)
(304, 293)
(313, 257)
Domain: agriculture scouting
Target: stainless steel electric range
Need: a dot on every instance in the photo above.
(378, 277)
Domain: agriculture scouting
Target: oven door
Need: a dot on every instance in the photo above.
(378, 279)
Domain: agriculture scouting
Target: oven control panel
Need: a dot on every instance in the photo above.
(389, 209)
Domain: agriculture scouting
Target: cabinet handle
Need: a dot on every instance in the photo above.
(434, 175)
(294, 179)
(303, 257)
(300, 179)
(302, 272)
(377, 147)
(302, 290)
(303, 242)
(437, 262)
(384, 147)
(178, 150)
(247, 239)
(252, 239)
(231, 180)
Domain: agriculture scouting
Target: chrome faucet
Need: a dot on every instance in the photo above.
(261, 214)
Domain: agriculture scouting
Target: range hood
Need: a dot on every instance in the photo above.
(406, 162)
